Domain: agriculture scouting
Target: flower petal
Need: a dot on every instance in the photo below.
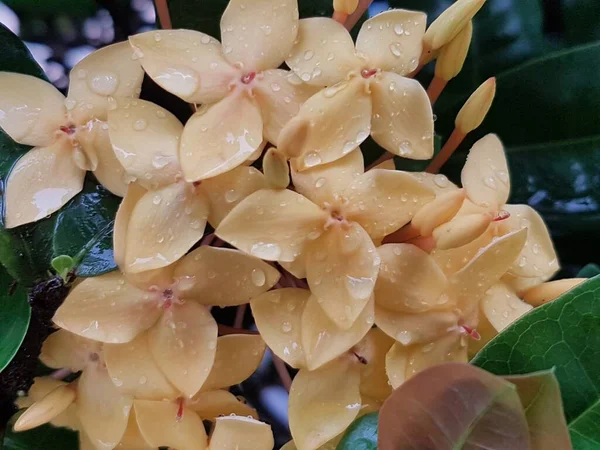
(278, 318)
(237, 357)
(225, 191)
(538, 257)
(186, 63)
(164, 225)
(324, 53)
(68, 350)
(102, 409)
(272, 224)
(341, 269)
(296, 267)
(409, 280)
(42, 181)
(220, 137)
(279, 95)
(374, 381)
(330, 395)
(329, 125)
(224, 277)
(183, 344)
(31, 109)
(402, 116)
(241, 433)
(145, 139)
(485, 174)
(438, 183)
(134, 371)
(502, 306)
(212, 404)
(133, 195)
(393, 40)
(132, 439)
(382, 200)
(325, 182)
(323, 341)
(107, 309)
(161, 425)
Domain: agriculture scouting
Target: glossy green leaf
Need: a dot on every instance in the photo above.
(14, 318)
(79, 9)
(62, 265)
(564, 334)
(14, 56)
(45, 437)
(588, 271)
(361, 434)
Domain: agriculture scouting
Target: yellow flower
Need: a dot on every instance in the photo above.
(171, 304)
(162, 216)
(69, 135)
(247, 97)
(329, 227)
(366, 90)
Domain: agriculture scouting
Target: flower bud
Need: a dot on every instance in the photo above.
(438, 212)
(452, 56)
(49, 407)
(546, 292)
(345, 6)
(461, 230)
(276, 169)
(476, 107)
(450, 23)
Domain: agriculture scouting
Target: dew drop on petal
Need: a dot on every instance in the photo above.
(359, 287)
(399, 29)
(440, 180)
(104, 83)
(312, 159)
(490, 182)
(258, 277)
(405, 148)
(286, 327)
(404, 337)
(308, 54)
(140, 125)
(320, 182)
(143, 380)
(396, 49)
(157, 199)
(231, 196)
(266, 251)
(275, 87)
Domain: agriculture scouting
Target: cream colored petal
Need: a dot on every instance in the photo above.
(437, 212)
(164, 225)
(382, 201)
(402, 116)
(212, 404)
(279, 95)
(324, 183)
(415, 328)
(331, 123)
(186, 63)
(272, 224)
(133, 195)
(41, 387)
(237, 357)
(538, 258)
(324, 402)
(520, 284)
(461, 230)
(183, 343)
(502, 306)
(393, 40)
(52, 406)
(485, 175)
(297, 267)
(102, 409)
(145, 139)
(132, 439)
(278, 318)
(223, 277)
(409, 280)
(161, 425)
(241, 433)
(438, 183)
(324, 53)
(220, 137)
(68, 350)
(374, 381)
(31, 109)
(107, 309)
(42, 181)
(323, 341)
(341, 270)
(133, 370)
(551, 290)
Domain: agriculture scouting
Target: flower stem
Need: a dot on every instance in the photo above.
(162, 9)
(446, 152)
(282, 371)
(436, 87)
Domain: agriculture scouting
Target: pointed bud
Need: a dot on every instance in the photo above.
(276, 169)
(49, 407)
(546, 292)
(345, 6)
(452, 56)
(450, 23)
(438, 212)
(476, 107)
(461, 230)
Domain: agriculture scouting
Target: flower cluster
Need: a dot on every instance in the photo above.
(358, 277)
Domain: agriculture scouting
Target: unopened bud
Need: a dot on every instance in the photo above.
(546, 292)
(43, 411)
(438, 212)
(276, 169)
(452, 56)
(450, 23)
(476, 107)
(461, 230)
(345, 6)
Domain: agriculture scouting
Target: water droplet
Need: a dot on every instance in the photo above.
(143, 380)
(70, 104)
(305, 76)
(117, 382)
(286, 327)
(160, 161)
(440, 181)
(231, 196)
(349, 146)
(535, 249)
(312, 159)
(258, 277)
(428, 347)
(399, 29)
(308, 54)
(157, 199)
(104, 83)
(359, 287)
(396, 49)
(320, 182)
(160, 114)
(227, 49)
(266, 29)
(522, 261)
(195, 225)
(205, 39)
(443, 299)
(266, 251)
(330, 57)
(405, 148)
(157, 37)
(490, 182)
(276, 87)
(392, 86)
(211, 274)
(331, 91)
(140, 125)
(404, 337)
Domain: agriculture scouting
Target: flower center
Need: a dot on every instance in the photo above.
(471, 332)
(502, 215)
(69, 131)
(336, 215)
(168, 298)
(368, 73)
(248, 77)
(179, 409)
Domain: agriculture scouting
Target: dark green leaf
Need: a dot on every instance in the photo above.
(14, 56)
(589, 271)
(80, 8)
(361, 434)
(582, 20)
(45, 437)
(564, 334)
(14, 318)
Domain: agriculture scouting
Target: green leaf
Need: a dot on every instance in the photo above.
(45, 437)
(14, 56)
(62, 265)
(80, 8)
(589, 271)
(361, 434)
(14, 318)
(564, 334)
(581, 20)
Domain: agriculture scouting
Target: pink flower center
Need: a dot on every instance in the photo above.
(179, 410)
(502, 215)
(471, 332)
(70, 130)
(248, 77)
(168, 298)
(368, 73)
